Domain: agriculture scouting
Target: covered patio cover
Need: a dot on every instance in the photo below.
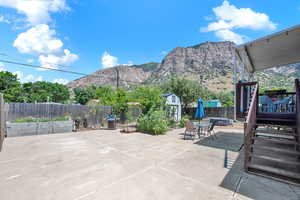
(278, 49)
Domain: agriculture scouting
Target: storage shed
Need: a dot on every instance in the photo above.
(174, 106)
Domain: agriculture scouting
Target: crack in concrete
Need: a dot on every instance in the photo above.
(296, 194)
(156, 165)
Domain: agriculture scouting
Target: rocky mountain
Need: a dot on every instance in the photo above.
(279, 77)
(209, 63)
(125, 76)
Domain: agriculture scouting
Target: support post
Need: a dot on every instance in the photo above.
(234, 83)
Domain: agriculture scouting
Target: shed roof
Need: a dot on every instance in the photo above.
(167, 94)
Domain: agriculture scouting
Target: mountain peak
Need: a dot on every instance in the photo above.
(205, 62)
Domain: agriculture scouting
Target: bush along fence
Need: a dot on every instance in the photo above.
(92, 116)
(3, 117)
(226, 112)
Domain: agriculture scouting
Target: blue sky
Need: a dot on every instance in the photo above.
(85, 36)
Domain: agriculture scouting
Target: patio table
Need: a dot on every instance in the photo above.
(202, 127)
(220, 121)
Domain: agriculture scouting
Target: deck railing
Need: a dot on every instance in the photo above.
(297, 88)
(277, 103)
(249, 126)
(244, 95)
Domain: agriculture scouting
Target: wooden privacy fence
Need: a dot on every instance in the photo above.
(88, 116)
(3, 116)
(226, 112)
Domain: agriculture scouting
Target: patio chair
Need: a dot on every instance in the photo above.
(190, 130)
(211, 132)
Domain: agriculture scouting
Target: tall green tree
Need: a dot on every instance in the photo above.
(106, 95)
(148, 96)
(226, 98)
(117, 98)
(188, 91)
(83, 95)
(10, 86)
(42, 91)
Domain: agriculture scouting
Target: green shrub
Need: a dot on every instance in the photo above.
(171, 123)
(154, 122)
(183, 120)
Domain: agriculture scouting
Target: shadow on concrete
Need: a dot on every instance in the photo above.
(225, 140)
(235, 174)
(229, 142)
(243, 184)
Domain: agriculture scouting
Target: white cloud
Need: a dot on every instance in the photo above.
(18, 73)
(30, 60)
(2, 67)
(163, 53)
(52, 61)
(228, 35)
(208, 18)
(28, 78)
(60, 81)
(36, 11)
(130, 63)
(230, 17)
(31, 78)
(108, 60)
(3, 19)
(41, 41)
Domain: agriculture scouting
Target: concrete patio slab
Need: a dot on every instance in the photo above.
(109, 165)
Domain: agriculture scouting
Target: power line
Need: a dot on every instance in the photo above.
(67, 71)
(15, 58)
(118, 80)
(41, 67)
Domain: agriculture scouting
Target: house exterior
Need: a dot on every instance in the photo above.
(272, 119)
(174, 106)
(212, 103)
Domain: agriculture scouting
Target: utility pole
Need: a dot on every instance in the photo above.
(201, 79)
(118, 78)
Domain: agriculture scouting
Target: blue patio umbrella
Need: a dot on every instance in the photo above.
(200, 110)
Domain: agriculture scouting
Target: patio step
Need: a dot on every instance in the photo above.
(273, 152)
(283, 160)
(276, 131)
(272, 135)
(290, 127)
(275, 173)
(276, 150)
(276, 121)
(275, 140)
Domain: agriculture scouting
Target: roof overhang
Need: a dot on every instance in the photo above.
(278, 49)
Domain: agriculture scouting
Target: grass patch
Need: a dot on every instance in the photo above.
(32, 119)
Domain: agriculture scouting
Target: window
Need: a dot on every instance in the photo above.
(173, 99)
